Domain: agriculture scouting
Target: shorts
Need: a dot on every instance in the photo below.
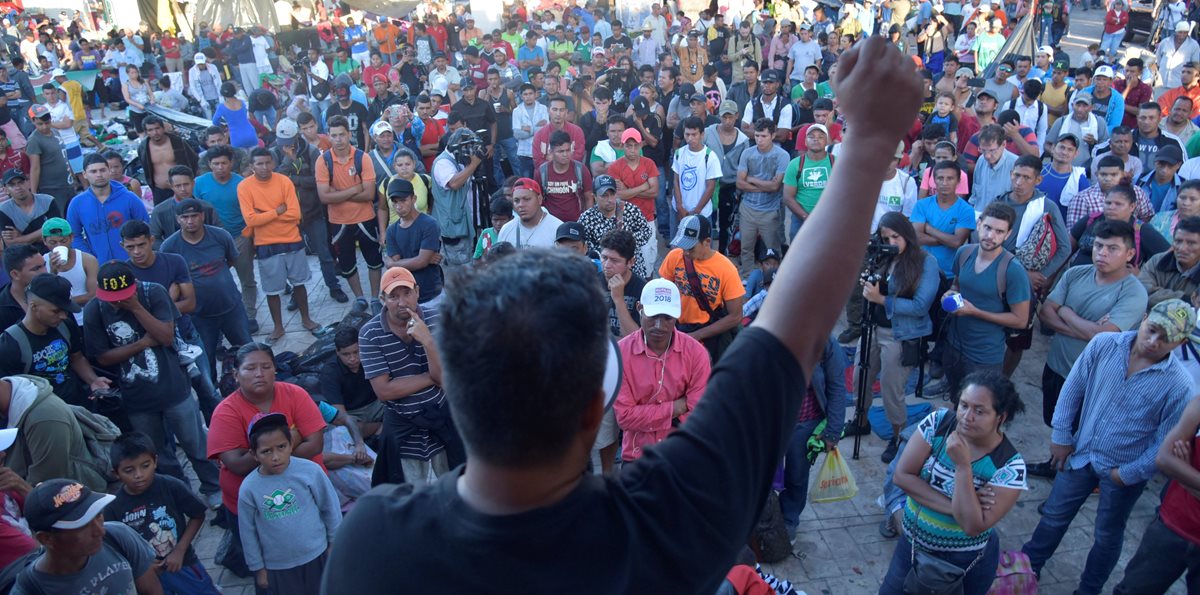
(344, 237)
(369, 413)
(363, 58)
(275, 272)
(1022, 339)
(607, 436)
(74, 154)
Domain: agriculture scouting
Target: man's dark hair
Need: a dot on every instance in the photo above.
(134, 228)
(933, 131)
(1107, 229)
(761, 124)
(303, 118)
(1136, 63)
(180, 170)
(345, 336)
(947, 164)
(215, 129)
(501, 206)
(152, 120)
(562, 100)
(672, 71)
(1125, 191)
(339, 121)
(1024, 58)
(260, 152)
(1030, 161)
(557, 352)
(1121, 131)
(617, 119)
(559, 138)
(15, 256)
(219, 151)
(1008, 116)
(1150, 105)
(750, 63)
(93, 159)
(129, 446)
(1188, 224)
(645, 68)
(1110, 161)
(1001, 211)
(693, 123)
(620, 241)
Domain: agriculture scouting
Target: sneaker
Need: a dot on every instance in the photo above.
(1045, 470)
(856, 428)
(361, 304)
(889, 453)
(213, 500)
(887, 529)
(189, 353)
(338, 295)
(253, 326)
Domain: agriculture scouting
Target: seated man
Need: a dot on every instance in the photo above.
(345, 386)
(49, 442)
(1173, 274)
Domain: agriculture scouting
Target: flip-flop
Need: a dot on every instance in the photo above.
(320, 331)
(270, 341)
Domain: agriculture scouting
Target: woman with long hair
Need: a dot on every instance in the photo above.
(1187, 204)
(232, 111)
(137, 95)
(961, 476)
(900, 295)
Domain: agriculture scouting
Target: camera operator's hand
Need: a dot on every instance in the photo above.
(871, 293)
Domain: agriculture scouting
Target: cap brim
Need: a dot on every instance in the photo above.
(95, 505)
(7, 437)
(69, 306)
(116, 296)
(672, 310)
(684, 242)
(398, 283)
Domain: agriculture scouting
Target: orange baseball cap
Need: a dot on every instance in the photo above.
(397, 277)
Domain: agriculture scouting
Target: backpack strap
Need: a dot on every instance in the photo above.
(22, 345)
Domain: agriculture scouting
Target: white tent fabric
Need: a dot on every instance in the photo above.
(242, 13)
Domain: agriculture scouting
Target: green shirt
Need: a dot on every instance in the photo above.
(514, 39)
(825, 90)
(798, 90)
(810, 182)
(346, 67)
(563, 46)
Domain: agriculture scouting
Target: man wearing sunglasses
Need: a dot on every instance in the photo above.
(1001, 87)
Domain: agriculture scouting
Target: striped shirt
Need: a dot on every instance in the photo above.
(1124, 420)
(382, 353)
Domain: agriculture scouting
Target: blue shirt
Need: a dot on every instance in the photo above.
(1122, 420)
(224, 200)
(763, 167)
(1053, 183)
(357, 31)
(978, 340)
(98, 225)
(208, 264)
(407, 242)
(528, 53)
(960, 215)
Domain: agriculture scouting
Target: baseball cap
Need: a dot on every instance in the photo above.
(381, 127)
(771, 253)
(1047, 50)
(57, 72)
(598, 51)
(571, 230)
(983, 92)
(200, 58)
(1105, 71)
(189, 206)
(702, 98)
(641, 106)
(528, 184)
(1073, 137)
(56, 227)
(286, 131)
(7, 437)
(271, 420)
(631, 133)
(1175, 317)
(1169, 154)
(1083, 97)
(399, 187)
(1183, 27)
(38, 110)
(647, 26)
(63, 504)
(692, 230)
(603, 184)
(117, 281)
(821, 127)
(728, 106)
(397, 277)
(53, 289)
(660, 296)
(771, 76)
(14, 174)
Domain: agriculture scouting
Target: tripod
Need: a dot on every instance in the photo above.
(879, 259)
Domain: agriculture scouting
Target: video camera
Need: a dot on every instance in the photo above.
(879, 254)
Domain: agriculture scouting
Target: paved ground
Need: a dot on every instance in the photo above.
(839, 550)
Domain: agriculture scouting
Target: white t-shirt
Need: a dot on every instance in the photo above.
(539, 236)
(896, 194)
(59, 112)
(694, 168)
(261, 44)
(451, 77)
(803, 54)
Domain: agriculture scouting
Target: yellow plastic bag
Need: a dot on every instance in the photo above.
(834, 481)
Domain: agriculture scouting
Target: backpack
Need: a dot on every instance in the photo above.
(1014, 575)
(23, 343)
(327, 157)
(1005, 259)
(770, 538)
(9, 574)
(99, 434)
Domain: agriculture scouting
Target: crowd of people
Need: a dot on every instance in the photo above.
(644, 181)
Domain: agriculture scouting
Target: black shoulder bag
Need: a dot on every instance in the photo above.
(717, 344)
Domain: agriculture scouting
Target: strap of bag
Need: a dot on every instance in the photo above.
(697, 290)
(22, 345)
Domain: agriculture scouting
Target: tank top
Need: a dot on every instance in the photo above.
(76, 275)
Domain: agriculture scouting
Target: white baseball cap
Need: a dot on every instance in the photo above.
(1105, 70)
(660, 296)
(200, 58)
(7, 437)
(381, 127)
(1047, 50)
(1183, 27)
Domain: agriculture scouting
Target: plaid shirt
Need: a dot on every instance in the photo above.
(1092, 201)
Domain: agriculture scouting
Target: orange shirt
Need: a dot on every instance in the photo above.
(1168, 99)
(259, 201)
(386, 34)
(718, 278)
(347, 212)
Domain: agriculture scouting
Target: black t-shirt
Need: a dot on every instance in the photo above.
(11, 311)
(615, 40)
(1147, 241)
(340, 386)
(160, 514)
(477, 116)
(262, 100)
(49, 358)
(152, 380)
(357, 116)
(633, 293)
(716, 46)
(671, 522)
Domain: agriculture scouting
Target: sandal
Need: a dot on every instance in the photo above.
(320, 331)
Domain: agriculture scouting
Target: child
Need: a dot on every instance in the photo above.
(502, 212)
(943, 113)
(288, 512)
(163, 511)
(943, 151)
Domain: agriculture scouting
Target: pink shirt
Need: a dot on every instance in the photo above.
(649, 386)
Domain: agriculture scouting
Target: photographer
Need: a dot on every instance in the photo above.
(901, 290)
(454, 193)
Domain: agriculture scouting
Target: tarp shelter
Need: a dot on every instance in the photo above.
(240, 13)
(393, 9)
(1021, 42)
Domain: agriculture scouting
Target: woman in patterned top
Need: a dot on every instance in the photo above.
(962, 476)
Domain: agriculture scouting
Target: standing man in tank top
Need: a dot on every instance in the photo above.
(79, 267)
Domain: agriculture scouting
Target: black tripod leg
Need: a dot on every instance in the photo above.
(863, 385)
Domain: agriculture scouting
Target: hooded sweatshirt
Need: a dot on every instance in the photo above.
(49, 435)
(97, 225)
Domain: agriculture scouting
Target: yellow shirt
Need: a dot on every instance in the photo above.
(74, 92)
(420, 189)
(1055, 98)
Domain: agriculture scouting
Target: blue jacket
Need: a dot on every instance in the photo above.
(1116, 107)
(829, 384)
(242, 49)
(97, 226)
(910, 316)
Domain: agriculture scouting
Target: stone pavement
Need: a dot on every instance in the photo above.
(839, 550)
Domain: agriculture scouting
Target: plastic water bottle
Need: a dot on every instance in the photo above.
(952, 302)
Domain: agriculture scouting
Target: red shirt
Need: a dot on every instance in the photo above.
(541, 143)
(478, 74)
(564, 192)
(369, 74)
(435, 129)
(14, 541)
(231, 422)
(634, 177)
(1180, 511)
(1136, 96)
(170, 46)
(835, 136)
(968, 125)
(1115, 21)
(439, 35)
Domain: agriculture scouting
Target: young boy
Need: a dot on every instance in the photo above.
(502, 212)
(288, 512)
(163, 510)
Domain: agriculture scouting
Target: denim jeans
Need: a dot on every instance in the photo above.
(664, 208)
(1151, 572)
(523, 166)
(202, 383)
(183, 420)
(234, 325)
(1071, 489)
(266, 117)
(1111, 42)
(316, 236)
(188, 580)
(508, 147)
(977, 581)
(795, 474)
(894, 497)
